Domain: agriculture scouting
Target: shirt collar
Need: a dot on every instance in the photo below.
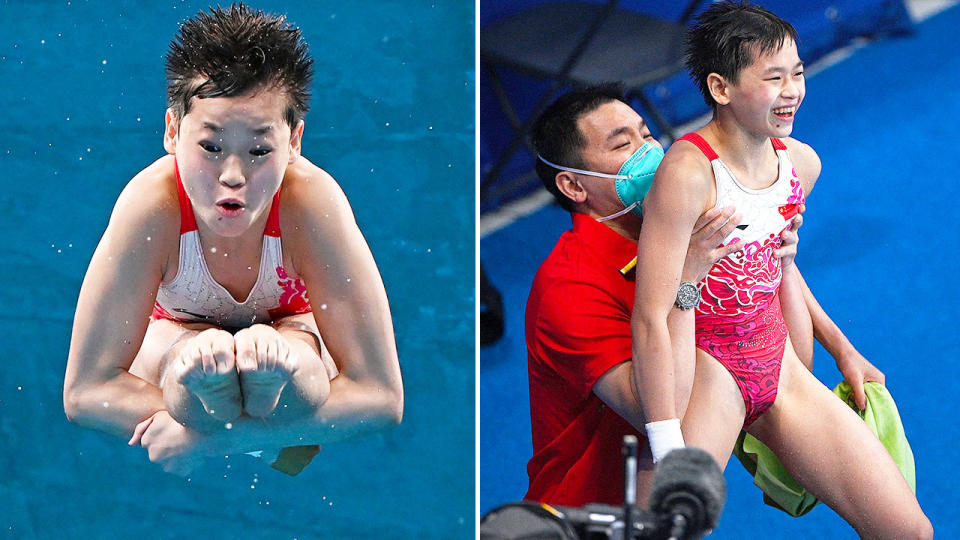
(614, 250)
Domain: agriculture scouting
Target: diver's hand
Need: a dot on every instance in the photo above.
(856, 370)
(169, 444)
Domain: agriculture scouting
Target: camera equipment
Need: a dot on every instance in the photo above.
(685, 502)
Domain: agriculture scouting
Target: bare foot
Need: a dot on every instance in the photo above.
(266, 364)
(206, 367)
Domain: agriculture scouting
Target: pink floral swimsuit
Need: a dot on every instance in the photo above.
(738, 320)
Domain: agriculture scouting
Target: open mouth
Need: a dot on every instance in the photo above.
(785, 112)
(230, 207)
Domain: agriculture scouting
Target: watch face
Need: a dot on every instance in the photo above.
(688, 295)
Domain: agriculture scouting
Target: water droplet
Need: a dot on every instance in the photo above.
(19, 388)
(323, 306)
(106, 404)
(104, 62)
(228, 425)
(348, 280)
(213, 250)
(387, 124)
(149, 239)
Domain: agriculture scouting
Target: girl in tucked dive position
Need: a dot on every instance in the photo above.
(245, 253)
(745, 61)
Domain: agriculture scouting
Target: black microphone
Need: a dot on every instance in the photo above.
(690, 491)
(629, 483)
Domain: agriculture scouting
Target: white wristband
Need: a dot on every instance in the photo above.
(664, 436)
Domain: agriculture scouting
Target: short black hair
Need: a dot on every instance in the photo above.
(557, 137)
(227, 52)
(725, 38)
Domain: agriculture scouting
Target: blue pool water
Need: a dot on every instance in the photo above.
(81, 111)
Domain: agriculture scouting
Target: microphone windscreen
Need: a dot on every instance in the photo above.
(690, 471)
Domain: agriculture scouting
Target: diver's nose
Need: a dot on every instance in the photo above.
(231, 173)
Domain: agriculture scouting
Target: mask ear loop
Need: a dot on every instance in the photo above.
(581, 171)
(618, 214)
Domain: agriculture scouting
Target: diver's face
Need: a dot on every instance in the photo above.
(769, 91)
(232, 153)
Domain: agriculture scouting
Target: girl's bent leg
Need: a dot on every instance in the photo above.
(283, 369)
(716, 411)
(831, 452)
(193, 365)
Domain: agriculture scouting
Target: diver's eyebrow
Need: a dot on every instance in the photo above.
(256, 131)
(777, 69)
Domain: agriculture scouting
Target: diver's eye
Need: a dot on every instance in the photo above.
(212, 148)
(260, 152)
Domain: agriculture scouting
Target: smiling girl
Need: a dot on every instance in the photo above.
(745, 60)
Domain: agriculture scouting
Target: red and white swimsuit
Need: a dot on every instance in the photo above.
(194, 296)
(738, 320)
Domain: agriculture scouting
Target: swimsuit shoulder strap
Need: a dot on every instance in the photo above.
(273, 220)
(701, 143)
(187, 220)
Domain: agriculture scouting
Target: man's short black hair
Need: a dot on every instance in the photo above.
(228, 52)
(557, 138)
(727, 37)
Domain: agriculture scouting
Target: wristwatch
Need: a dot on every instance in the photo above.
(688, 295)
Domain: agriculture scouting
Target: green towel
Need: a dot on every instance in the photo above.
(781, 491)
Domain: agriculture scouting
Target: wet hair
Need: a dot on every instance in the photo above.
(727, 37)
(228, 52)
(557, 137)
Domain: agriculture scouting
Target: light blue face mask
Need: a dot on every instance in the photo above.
(633, 181)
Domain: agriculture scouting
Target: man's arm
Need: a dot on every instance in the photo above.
(113, 310)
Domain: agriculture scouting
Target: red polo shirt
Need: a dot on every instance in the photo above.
(577, 328)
